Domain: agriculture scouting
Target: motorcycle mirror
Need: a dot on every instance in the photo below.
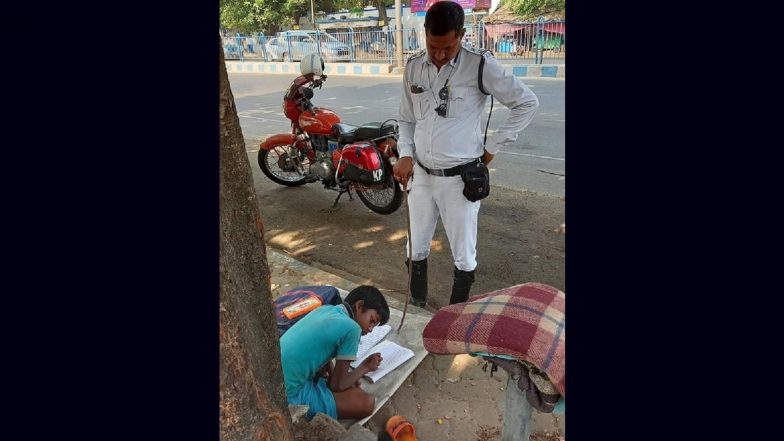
(307, 92)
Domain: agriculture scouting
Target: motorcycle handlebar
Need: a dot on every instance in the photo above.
(307, 91)
(318, 82)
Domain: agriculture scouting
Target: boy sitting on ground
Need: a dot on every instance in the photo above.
(333, 331)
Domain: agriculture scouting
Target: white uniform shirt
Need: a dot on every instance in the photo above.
(444, 142)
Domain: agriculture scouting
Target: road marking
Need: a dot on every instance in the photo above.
(533, 156)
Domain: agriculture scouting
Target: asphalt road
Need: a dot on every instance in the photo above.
(535, 162)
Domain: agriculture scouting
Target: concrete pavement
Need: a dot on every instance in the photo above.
(445, 397)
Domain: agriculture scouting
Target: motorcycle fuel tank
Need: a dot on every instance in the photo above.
(318, 122)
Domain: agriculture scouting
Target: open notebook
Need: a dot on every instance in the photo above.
(392, 354)
(367, 341)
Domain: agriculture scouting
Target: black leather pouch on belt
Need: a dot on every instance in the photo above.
(476, 178)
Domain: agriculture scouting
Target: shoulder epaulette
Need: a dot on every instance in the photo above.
(474, 50)
(416, 55)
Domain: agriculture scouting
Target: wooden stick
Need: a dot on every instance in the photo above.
(410, 260)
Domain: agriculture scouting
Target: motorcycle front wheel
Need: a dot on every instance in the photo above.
(383, 200)
(282, 168)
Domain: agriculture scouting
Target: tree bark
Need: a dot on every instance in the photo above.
(253, 405)
(382, 12)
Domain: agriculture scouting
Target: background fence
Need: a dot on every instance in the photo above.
(529, 41)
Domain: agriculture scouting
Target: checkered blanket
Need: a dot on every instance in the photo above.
(526, 322)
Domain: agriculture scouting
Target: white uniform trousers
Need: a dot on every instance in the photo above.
(431, 196)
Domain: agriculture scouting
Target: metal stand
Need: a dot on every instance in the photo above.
(517, 413)
(340, 193)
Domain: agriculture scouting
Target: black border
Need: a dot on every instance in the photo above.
(117, 232)
(653, 274)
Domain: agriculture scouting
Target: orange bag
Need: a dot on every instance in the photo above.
(302, 307)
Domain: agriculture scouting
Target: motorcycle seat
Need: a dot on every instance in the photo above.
(373, 130)
(345, 133)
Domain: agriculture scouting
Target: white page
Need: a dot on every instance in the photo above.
(393, 355)
(367, 341)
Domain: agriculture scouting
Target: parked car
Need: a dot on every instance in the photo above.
(304, 42)
(231, 50)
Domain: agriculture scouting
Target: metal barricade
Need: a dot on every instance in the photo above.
(537, 42)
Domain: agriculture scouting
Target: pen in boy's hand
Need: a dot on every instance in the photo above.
(372, 362)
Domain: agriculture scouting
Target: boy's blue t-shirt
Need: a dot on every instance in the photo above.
(325, 333)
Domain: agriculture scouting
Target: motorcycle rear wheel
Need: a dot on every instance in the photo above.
(270, 160)
(383, 200)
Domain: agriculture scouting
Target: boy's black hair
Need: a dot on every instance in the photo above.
(444, 16)
(373, 300)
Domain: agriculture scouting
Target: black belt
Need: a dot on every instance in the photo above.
(454, 171)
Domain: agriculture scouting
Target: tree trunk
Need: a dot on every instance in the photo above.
(253, 404)
(382, 12)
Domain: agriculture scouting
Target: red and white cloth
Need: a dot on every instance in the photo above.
(526, 322)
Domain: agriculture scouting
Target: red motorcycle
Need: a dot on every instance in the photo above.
(342, 156)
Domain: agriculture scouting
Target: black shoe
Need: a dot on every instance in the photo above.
(461, 286)
(417, 302)
(418, 282)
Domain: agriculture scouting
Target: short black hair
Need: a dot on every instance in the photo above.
(373, 300)
(444, 16)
